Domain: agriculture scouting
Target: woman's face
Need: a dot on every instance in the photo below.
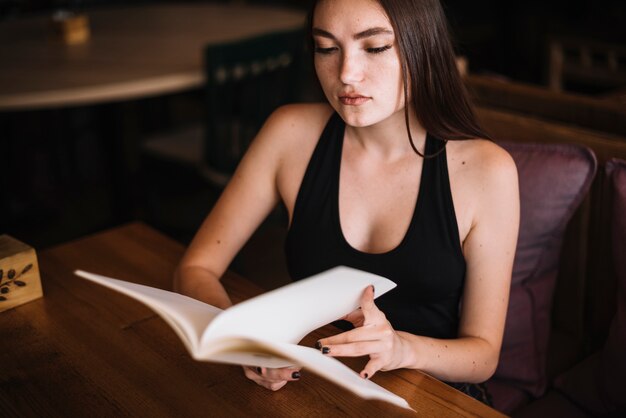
(357, 61)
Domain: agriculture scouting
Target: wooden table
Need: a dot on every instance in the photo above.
(83, 350)
(133, 52)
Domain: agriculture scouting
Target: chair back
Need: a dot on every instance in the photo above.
(592, 63)
(554, 179)
(245, 81)
(596, 383)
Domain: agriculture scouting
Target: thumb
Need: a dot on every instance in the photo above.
(370, 369)
(368, 307)
(355, 317)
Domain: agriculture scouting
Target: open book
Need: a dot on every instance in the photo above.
(264, 331)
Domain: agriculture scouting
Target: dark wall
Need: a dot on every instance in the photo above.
(510, 37)
(504, 37)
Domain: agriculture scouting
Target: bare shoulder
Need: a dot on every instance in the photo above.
(286, 143)
(303, 112)
(481, 162)
(483, 181)
(297, 121)
(286, 131)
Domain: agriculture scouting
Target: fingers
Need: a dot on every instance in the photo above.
(275, 375)
(272, 379)
(362, 341)
(256, 376)
(375, 338)
(368, 307)
(365, 333)
(355, 317)
(372, 366)
(355, 349)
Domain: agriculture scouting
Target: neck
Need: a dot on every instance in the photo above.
(389, 138)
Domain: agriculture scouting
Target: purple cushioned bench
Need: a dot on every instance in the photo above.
(595, 386)
(554, 178)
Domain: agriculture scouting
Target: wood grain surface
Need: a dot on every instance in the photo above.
(84, 350)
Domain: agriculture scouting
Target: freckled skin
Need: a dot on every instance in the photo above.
(485, 197)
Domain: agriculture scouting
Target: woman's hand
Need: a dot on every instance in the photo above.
(272, 379)
(355, 317)
(374, 336)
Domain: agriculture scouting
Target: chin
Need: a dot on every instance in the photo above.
(356, 118)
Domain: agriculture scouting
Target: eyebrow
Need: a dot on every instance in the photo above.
(357, 36)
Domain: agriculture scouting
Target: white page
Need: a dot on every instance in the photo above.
(289, 313)
(187, 316)
(239, 351)
(337, 372)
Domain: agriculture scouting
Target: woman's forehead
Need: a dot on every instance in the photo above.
(356, 15)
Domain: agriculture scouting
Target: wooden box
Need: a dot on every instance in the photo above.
(71, 28)
(19, 273)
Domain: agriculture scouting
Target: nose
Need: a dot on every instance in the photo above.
(351, 70)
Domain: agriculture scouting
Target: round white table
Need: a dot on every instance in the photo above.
(133, 52)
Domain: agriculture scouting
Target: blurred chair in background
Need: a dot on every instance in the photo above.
(245, 81)
(185, 171)
(594, 64)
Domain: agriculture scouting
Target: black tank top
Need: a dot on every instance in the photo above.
(428, 265)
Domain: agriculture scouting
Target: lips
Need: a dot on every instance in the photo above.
(353, 99)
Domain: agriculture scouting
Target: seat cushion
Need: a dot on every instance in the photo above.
(597, 383)
(553, 178)
(506, 397)
(553, 404)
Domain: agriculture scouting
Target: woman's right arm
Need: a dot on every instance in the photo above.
(255, 188)
(245, 202)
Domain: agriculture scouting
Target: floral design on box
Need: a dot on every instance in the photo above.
(11, 280)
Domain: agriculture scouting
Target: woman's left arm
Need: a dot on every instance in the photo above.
(489, 250)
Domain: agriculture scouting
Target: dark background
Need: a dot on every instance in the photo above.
(60, 167)
(498, 36)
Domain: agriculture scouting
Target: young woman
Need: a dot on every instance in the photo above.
(390, 176)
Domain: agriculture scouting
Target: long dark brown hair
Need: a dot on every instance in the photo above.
(431, 79)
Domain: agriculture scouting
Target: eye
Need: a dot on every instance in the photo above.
(378, 50)
(320, 50)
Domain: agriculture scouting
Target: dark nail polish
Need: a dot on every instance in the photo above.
(259, 370)
(373, 289)
(325, 350)
(295, 375)
(367, 375)
(318, 345)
